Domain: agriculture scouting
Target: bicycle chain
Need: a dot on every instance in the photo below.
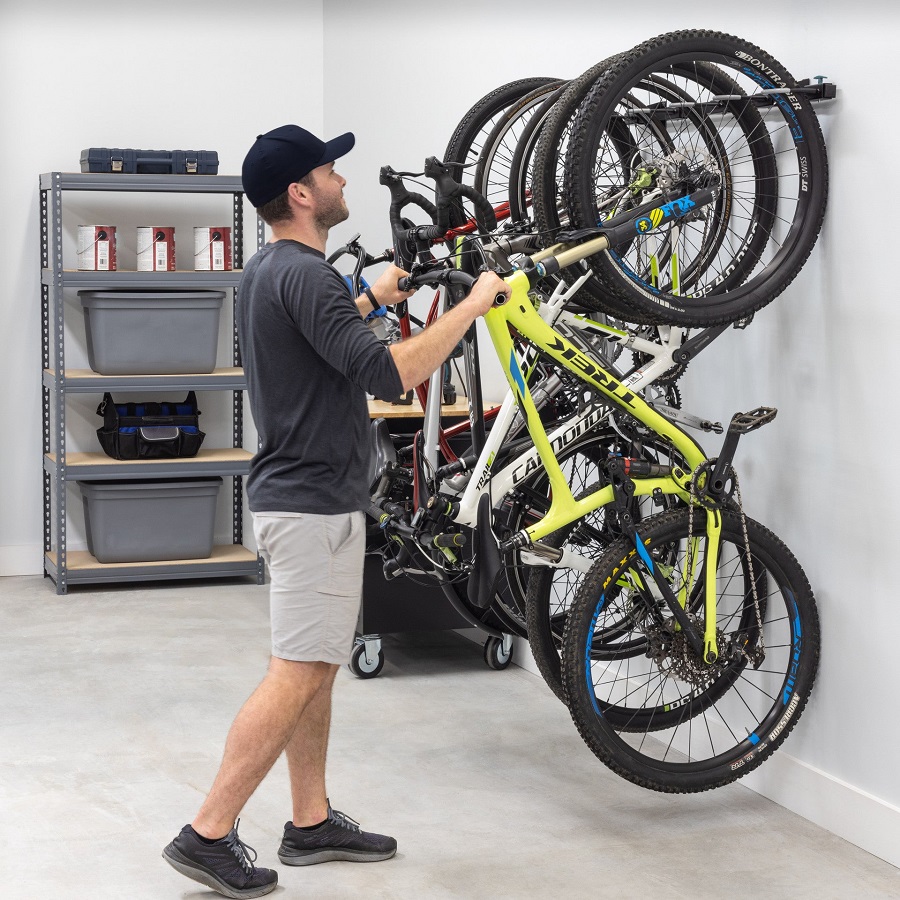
(759, 652)
(757, 656)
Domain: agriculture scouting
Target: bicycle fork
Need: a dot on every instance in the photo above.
(710, 495)
(623, 493)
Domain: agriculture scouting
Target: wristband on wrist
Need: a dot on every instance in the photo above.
(375, 304)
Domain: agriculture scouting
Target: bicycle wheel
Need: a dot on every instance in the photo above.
(675, 259)
(668, 721)
(467, 141)
(550, 592)
(763, 151)
(494, 170)
(521, 174)
(546, 186)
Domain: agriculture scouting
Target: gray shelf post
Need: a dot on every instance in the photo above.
(237, 397)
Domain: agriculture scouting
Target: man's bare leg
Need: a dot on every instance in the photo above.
(306, 752)
(339, 838)
(259, 734)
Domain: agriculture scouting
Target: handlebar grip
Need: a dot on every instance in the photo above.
(398, 204)
(376, 512)
(445, 541)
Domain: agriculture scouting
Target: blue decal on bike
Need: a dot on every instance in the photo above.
(643, 225)
(587, 656)
(516, 373)
(797, 632)
(754, 738)
(633, 275)
(642, 552)
(780, 100)
(788, 690)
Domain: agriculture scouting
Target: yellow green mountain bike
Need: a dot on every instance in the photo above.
(692, 644)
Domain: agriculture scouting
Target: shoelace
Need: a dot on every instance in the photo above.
(244, 853)
(343, 820)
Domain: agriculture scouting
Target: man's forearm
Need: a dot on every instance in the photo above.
(417, 357)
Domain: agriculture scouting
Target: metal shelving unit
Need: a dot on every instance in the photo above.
(61, 465)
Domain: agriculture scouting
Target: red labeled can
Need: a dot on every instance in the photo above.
(212, 249)
(155, 248)
(97, 248)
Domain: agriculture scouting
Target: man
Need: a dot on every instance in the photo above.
(310, 360)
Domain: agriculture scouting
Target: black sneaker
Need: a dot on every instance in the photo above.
(225, 866)
(338, 837)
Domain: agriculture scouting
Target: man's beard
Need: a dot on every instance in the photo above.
(329, 216)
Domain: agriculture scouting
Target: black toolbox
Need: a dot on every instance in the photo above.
(150, 162)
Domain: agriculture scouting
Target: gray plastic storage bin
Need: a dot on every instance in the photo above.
(145, 521)
(152, 332)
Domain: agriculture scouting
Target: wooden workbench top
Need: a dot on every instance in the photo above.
(383, 409)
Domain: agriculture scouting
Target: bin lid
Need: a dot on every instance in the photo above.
(161, 483)
(150, 298)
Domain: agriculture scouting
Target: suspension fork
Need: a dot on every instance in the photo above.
(705, 646)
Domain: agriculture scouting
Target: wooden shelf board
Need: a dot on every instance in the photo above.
(90, 374)
(226, 455)
(81, 560)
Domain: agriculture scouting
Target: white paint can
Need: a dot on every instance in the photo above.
(155, 248)
(97, 248)
(212, 249)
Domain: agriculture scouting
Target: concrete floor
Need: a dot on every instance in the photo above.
(115, 707)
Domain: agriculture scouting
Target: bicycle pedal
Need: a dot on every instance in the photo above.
(742, 423)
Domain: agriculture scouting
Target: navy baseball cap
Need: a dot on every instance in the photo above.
(284, 155)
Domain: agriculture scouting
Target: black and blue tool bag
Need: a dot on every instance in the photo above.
(150, 430)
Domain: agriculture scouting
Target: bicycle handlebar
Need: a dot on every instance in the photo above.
(448, 189)
(434, 277)
(363, 260)
(401, 197)
(407, 236)
(410, 240)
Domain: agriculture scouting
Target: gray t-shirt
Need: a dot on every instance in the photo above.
(310, 360)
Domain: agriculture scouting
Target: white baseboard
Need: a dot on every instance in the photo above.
(845, 810)
(25, 559)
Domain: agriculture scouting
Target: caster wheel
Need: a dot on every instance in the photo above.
(494, 654)
(361, 667)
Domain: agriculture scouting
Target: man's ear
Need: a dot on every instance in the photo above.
(299, 193)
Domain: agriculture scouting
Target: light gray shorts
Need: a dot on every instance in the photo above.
(315, 570)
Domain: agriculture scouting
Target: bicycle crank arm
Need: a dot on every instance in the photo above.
(542, 555)
(687, 419)
(741, 423)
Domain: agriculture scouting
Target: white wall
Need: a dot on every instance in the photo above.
(401, 81)
(164, 75)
